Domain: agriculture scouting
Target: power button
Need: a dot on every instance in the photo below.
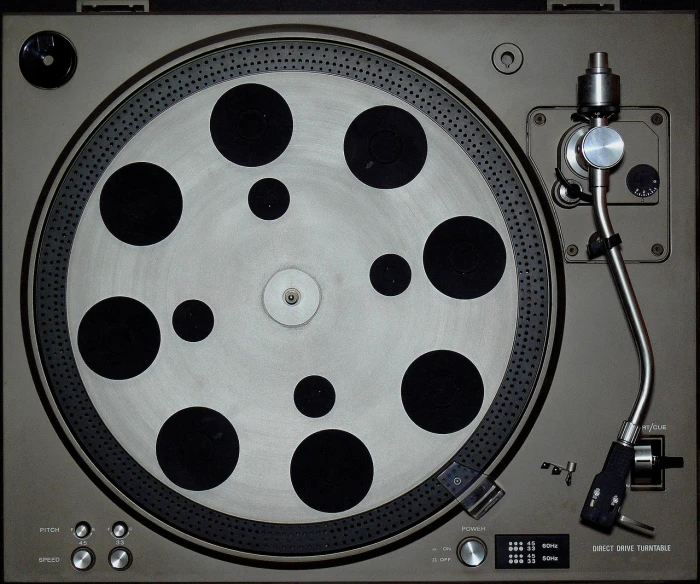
(471, 552)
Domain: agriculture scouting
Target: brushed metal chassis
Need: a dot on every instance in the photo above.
(596, 373)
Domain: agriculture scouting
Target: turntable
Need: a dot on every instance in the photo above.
(348, 297)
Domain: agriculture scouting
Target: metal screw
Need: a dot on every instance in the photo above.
(657, 119)
(572, 250)
(657, 249)
(291, 296)
(539, 119)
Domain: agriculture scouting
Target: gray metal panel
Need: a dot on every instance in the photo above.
(596, 374)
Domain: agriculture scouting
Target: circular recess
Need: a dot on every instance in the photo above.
(251, 125)
(118, 338)
(390, 274)
(197, 448)
(314, 396)
(332, 471)
(442, 392)
(340, 228)
(141, 204)
(268, 199)
(291, 297)
(47, 60)
(385, 147)
(193, 320)
(507, 58)
(464, 257)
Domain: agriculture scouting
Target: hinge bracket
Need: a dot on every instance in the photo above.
(111, 6)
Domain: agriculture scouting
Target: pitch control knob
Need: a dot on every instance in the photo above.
(120, 558)
(471, 552)
(119, 529)
(82, 559)
(82, 529)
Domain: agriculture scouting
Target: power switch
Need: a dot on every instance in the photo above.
(471, 552)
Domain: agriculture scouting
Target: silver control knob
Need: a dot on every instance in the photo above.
(602, 147)
(120, 558)
(82, 559)
(471, 552)
(119, 529)
(82, 529)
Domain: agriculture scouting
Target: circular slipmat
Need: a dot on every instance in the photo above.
(273, 336)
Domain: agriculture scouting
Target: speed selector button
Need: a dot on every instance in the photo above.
(82, 559)
(120, 558)
(471, 552)
(119, 529)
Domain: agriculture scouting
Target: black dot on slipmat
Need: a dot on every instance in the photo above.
(141, 204)
(197, 448)
(314, 396)
(442, 391)
(193, 320)
(251, 124)
(332, 471)
(464, 257)
(385, 147)
(268, 199)
(118, 338)
(390, 274)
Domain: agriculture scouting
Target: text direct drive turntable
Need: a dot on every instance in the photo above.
(349, 297)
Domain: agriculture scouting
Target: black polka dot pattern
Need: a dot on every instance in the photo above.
(193, 320)
(464, 257)
(314, 396)
(252, 61)
(390, 274)
(251, 124)
(118, 338)
(442, 392)
(197, 448)
(268, 199)
(332, 471)
(385, 147)
(141, 204)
